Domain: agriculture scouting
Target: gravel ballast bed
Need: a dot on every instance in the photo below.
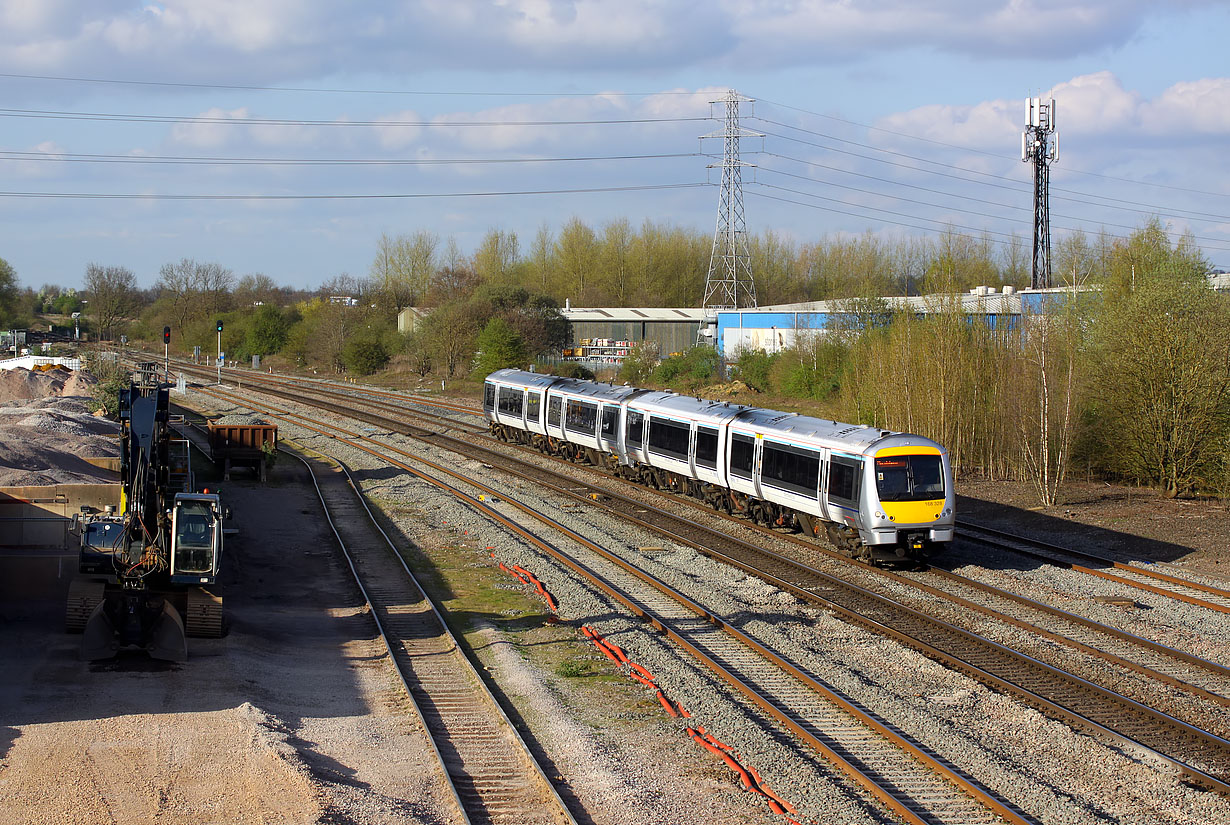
(1057, 775)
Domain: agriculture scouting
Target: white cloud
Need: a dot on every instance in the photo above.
(1093, 108)
(267, 41)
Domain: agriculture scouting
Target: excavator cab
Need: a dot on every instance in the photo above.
(196, 530)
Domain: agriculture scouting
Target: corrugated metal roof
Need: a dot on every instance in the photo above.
(633, 314)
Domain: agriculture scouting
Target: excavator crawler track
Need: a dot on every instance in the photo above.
(83, 596)
(203, 616)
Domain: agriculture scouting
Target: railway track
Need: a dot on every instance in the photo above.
(1151, 579)
(914, 784)
(1202, 757)
(495, 778)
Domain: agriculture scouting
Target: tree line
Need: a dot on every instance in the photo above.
(1126, 378)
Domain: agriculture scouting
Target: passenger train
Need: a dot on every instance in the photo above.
(878, 495)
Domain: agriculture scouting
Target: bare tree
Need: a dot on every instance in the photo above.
(195, 290)
(177, 284)
(113, 296)
(257, 288)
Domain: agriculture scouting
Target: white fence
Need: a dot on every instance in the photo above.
(29, 362)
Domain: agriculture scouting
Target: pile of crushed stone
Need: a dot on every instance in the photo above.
(48, 429)
(235, 419)
(22, 384)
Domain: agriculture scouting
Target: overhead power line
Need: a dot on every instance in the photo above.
(114, 81)
(989, 154)
(1014, 207)
(390, 196)
(71, 157)
(1011, 185)
(246, 121)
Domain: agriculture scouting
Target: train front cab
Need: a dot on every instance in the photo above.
(909, 501)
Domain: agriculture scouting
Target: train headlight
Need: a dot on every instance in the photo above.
(879, 514)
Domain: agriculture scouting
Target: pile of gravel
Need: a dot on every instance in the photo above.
(239, 419)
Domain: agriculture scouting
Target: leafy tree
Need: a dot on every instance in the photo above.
(499, 346)
(449, 334)
(8, 293)
(576, 251)
(495, 260)
(403, 267)
(1161, 373)
(66, 304)
(267, 331)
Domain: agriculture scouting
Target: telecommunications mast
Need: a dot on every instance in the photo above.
(1040, 146)
(729, 281)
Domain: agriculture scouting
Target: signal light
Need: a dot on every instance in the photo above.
(219, 326)
(166, 335)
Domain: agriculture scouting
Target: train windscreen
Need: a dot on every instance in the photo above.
(910, 478)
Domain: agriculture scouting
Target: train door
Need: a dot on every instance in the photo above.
(533, 409)
(845, 478)
(705, 453)
(634, 433)
(555, 416)
(608, 429)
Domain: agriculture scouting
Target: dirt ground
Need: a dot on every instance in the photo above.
(1130, 522)
(295, 716)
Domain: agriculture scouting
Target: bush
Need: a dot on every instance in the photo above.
(499, 346)
(754, 367)
(639, 363)
(363, 356)
(691, 370)
(112, 377)
(571, 369)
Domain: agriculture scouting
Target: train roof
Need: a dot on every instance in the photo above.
(522, 378)
(668, 403)
(852, 436)
(857, 438)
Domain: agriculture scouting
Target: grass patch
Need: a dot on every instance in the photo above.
(574, 668)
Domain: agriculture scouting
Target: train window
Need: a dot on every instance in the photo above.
(581, 417)
(706, 447)
(634, 435)
(909, 478)
(742, 453)
(669, 438)
(533, 404)
(844, 475)
(511, 400)
(610, 422)
(554, 405)
(489, 396)
(790, 468)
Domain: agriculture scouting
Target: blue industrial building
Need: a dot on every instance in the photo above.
(603, 336)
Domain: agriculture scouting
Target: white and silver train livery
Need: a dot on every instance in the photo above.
(878, 495)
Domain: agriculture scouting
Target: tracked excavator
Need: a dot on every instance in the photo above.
(148, 572)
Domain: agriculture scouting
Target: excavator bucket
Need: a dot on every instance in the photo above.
(160, 635)
(167, 640)
(99, 640)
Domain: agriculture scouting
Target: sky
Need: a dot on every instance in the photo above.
(286, 136)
